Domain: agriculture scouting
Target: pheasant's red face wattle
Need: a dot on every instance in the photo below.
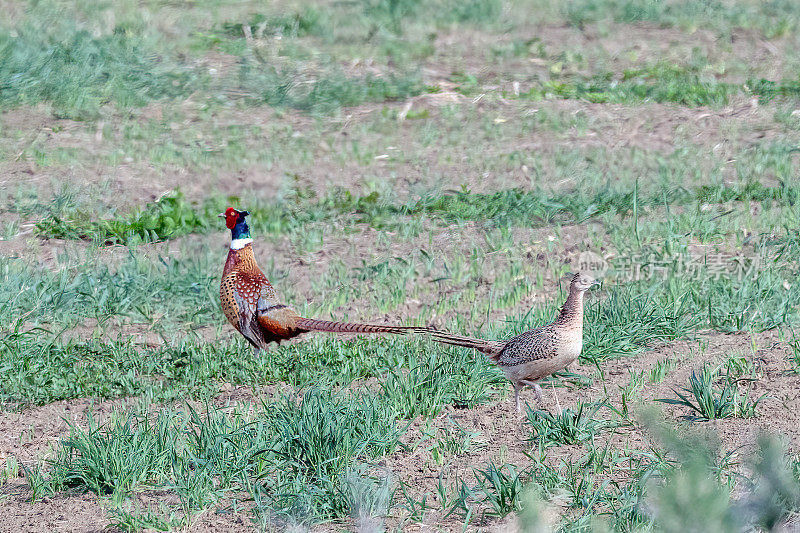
(231, 216)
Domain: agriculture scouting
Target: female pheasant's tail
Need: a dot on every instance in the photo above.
(490, 348)
(312, 324)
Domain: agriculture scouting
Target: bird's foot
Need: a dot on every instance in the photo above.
(538, 391)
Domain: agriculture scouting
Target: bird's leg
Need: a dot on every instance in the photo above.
(538, 390)
(517, 389)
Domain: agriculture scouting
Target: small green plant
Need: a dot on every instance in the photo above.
(369, 498)
(9, 231)
(424, 390)
(630, 392)
(10, 469)
(661, 369)
(170, 216)
(794, 354)
(37, 481)
(709, 402)
(739, 367)
(462, 501)
(416, 508)
(127, 518)
(112, 460)
(455, 441)
(570, 426)
(442, 494)
(501, 488)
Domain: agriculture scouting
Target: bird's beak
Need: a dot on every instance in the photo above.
(597, 283)
(221, 215)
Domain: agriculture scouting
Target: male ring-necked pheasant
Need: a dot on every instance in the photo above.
(253, 307)
(537, 353)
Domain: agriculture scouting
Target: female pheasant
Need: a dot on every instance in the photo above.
(535, 354)
(253, 307)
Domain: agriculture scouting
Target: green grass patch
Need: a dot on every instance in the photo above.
(632, 318)
(325, 92)
(769, 90)
(297, 459)
(42, 368)
(570, 426)
(370, 20)
(49, 57)
(431, 383)
(772, 19)
(167, 291)
(173, 216)
(662, 83)
(169, 217)
(758, 302)
(54, 60)
(658, 83)
(500, 488)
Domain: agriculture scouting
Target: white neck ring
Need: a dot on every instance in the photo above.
(238, 244)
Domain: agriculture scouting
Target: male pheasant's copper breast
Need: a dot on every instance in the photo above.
(249, 287)
(238, 281)
(253, 307)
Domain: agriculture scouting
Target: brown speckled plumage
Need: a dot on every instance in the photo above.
(253, 307)
(537, 353)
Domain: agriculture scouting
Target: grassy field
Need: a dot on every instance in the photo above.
(443, 162)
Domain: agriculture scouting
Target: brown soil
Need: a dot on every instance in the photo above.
(505, 433)
(63, 513)
(411, 167)
(28, 435)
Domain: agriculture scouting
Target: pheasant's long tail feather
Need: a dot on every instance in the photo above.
(490, 348)
(312, 324)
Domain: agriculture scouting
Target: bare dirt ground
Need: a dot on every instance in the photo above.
(504, 435)
(406, 165)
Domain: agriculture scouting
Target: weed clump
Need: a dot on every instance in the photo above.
(711, 402)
